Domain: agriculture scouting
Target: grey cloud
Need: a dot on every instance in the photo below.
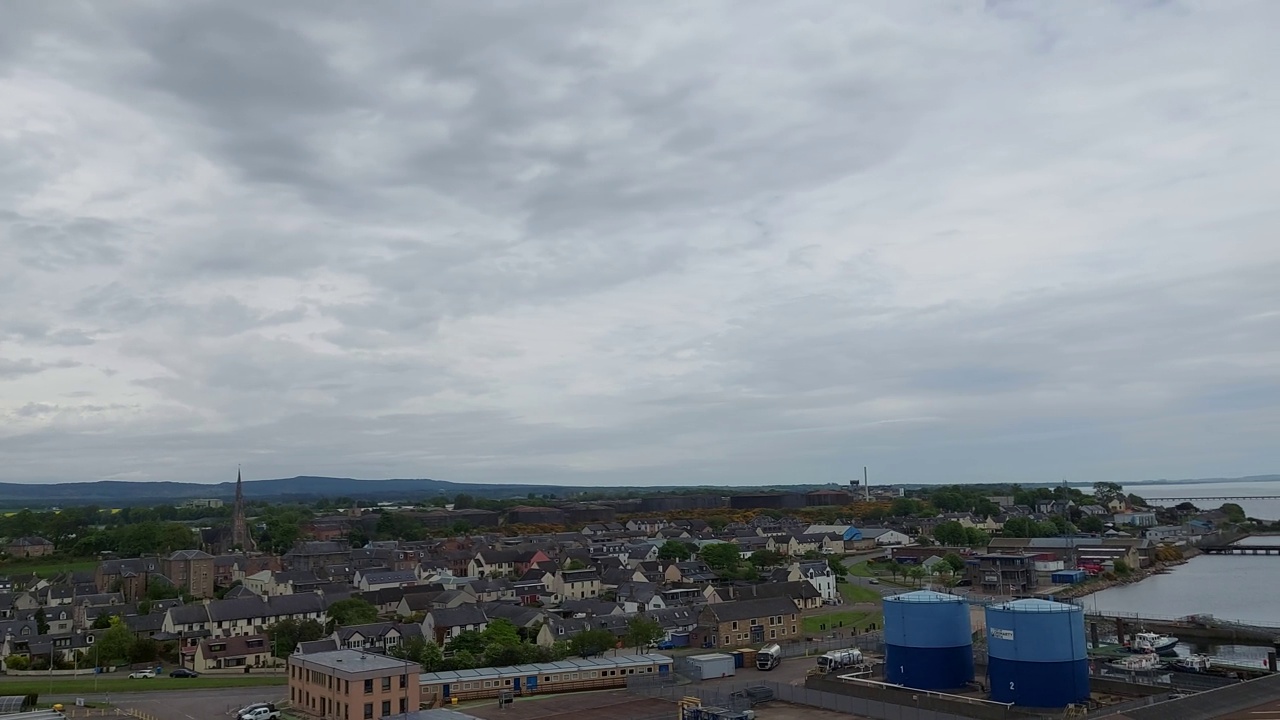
(573, 241)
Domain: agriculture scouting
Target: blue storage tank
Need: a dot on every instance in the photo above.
(928, 641)
(1036, 653)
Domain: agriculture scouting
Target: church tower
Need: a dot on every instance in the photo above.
(240, 536)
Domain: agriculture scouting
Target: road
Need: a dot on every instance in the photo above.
(194, 704)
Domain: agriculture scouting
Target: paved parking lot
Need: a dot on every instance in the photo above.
(192, 704)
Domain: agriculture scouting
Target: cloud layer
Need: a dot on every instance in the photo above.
(600, 243)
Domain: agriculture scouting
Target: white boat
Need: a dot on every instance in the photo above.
(1148, 642)
(1138, 663)
(1191, 663)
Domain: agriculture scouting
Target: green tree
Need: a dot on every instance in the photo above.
(352, 611)
(976, 537)
(950, 533)
(286, 634)
(502, 632)
(954, 561)
(575, 564)
(643, 631)
(766, 558)
(673, 551)
(102, 622)
(592, 642)
(917, 573)
(905, 507)
(1105, 492)
(1122, 567)
(1019, 527)
(113, 645)
(837, 568)
(468, 641)
(42, 624)
(1234, 512)
(721, 556)
(1091, 524)
(1045, 528)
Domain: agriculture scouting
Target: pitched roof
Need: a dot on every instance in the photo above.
(235, 646)
(457, 616)
(747, 609)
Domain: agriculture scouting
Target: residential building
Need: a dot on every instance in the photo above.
(1137, 518)
(234, 653)
(747, 622)
(352, 685)
(30, 546)
(190, 570)
(1003, 574)
(577, 584)
(443, 624)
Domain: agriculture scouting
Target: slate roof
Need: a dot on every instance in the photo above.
(747, 609)
(458, 616)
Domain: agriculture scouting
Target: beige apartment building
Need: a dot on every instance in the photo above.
(352, 685)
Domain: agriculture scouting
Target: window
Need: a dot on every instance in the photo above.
(773, 634)
(404, 681)
(386, 708)
(735, 625)
(368, 687)
(404, 706)
(368, 711)
(386, 684)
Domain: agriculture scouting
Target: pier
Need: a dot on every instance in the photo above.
(1191, 627)
(1241, 550)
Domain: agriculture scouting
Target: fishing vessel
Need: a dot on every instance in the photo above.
(1138, 663)
(1149, 642)
(1191, 664)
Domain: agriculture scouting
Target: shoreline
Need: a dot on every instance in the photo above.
(1100, 584)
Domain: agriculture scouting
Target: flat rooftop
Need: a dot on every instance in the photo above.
(353, 661)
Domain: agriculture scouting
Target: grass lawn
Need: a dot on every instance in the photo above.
(858, 593)
(845, 619)
(45, 569)
(861, 569)
(76, 685)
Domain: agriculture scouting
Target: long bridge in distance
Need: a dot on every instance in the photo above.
(1215, 497)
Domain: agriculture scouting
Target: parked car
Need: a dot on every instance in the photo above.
(140, 674)
(259, 711)
(874, 581)
(184, 673)
(666, 645)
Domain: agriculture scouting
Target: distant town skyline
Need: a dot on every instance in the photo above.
(594, 244)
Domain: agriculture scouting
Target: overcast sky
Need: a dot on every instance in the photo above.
(635, 243)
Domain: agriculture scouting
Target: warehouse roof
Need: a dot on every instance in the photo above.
(570, 665)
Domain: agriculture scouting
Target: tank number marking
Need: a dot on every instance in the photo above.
(1010, 685)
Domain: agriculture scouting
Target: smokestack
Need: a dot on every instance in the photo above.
(866, 484)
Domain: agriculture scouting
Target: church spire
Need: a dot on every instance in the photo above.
(240, 536)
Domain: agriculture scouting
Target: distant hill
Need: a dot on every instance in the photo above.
(118, 492)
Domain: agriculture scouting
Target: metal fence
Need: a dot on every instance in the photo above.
(725, 694)
(872, 642)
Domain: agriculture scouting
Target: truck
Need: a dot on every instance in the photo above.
(769, 657)
(259, 711)
(837, 659)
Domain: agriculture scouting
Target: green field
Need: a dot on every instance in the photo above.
(843, 620)
(45, 569)
(77, 685)
(861, 569)
(858, 593)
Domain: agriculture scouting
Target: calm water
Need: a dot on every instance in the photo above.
(1265, 509)
(1230, 587)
